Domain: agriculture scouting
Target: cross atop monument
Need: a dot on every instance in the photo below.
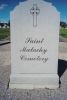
(35, 11)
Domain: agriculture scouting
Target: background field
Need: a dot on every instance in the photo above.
(4, 33)
(63, 32)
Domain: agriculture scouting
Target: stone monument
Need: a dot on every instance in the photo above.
(34, 45)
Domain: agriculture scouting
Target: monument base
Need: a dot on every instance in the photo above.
(32, 81)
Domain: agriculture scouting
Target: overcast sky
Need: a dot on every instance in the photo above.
(7, 5)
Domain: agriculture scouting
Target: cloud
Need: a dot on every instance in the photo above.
(2, 6)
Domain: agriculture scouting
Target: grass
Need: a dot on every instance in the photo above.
(4, 33)
(63, 32)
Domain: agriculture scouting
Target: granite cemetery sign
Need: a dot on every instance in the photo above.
(34, 45)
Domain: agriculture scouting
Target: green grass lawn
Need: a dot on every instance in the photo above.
(63, 32)
(4, 33)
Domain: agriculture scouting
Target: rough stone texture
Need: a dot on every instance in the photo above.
(35, 94)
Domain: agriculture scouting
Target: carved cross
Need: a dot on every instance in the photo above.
(35, 11)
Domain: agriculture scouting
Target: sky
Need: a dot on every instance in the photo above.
(8, 5)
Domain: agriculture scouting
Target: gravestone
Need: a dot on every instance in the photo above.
(34, 45)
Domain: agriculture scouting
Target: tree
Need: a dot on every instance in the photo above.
(63, 24)
(2, 24)
(9, 23)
